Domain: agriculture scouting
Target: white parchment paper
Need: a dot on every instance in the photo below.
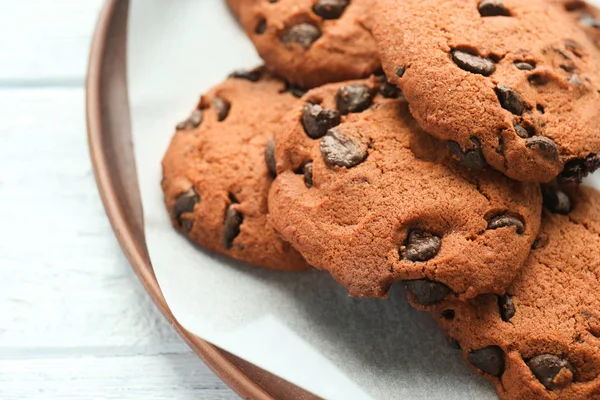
(302, 327)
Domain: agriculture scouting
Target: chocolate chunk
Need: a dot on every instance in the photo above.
(509, 99)
(556, 201)
(521, 131)
(270, 156)
(504, 221)
(193, 121)
(426, 292)
(539, 79)
(525, 66)
(330, 9)
(420, 246)
(492, 8)
(317, 120)
(304, 34)
(574, 47)
(543, 146)
(589, 21)
(185, 203)
(231, 227)
(473, 63)
(261, 27)
(308, 174)
(552, 371)
(400, 71)
(577, 169)
(489, 360)
(353, 98)
(222, 107)
(340, 150)
(507, 307)
(471, 159)
(252, 76)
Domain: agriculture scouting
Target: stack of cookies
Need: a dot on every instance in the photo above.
(438, 143)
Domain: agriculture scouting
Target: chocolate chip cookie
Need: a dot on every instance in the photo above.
(541, 340)
(216, 171)
(517, 82)
(363, 193)
(586, 15)
(311, 42)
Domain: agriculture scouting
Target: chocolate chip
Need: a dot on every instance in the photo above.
(492, 8)
(390, 91)
(538, 79)
(543, 146)
(509, 99)
(426, 292)
(548, 367)
(473, 63)
(589, 21)
(330, 9)
(540, 242)
(575, 80)
(252, 76)
(577, 169)
(185, 203)
(521, 131)
(507, 307)
(340, 150)
(400, 71)
(261, 27)
(504, 221)
(448, 314)
(574, 47)
(304, 34)
(231, 228)
(353, 98)
(317, 120)
(524, 66)
(420, 246)
(193, 121)
(556, 201)
(489, 360)
(540, 108)
(471, 159)
(295, 90)
(270, 156)
(222, 107)
(308, 174)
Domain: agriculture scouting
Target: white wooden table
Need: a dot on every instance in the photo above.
(74, 321)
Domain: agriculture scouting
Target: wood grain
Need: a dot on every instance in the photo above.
(75, 322)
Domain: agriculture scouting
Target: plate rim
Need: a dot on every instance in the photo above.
(223, 364)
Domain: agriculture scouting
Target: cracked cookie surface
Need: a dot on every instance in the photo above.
(216, 175)
(363, 193)
(541, 340)
(311, 42)
(517, 82)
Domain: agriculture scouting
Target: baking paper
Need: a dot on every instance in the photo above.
(302, 327)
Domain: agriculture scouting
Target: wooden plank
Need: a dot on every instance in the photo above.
(45, 43)
(74, 320)
(180, 376)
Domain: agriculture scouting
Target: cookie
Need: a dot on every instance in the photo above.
(216, 173)
(586, 15)
(311, 42)
(516, 81)
(541, 340)
(363, 193)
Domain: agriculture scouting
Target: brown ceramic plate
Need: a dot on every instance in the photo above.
(111, 149)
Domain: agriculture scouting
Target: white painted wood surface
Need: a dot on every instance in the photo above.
(74, 321)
